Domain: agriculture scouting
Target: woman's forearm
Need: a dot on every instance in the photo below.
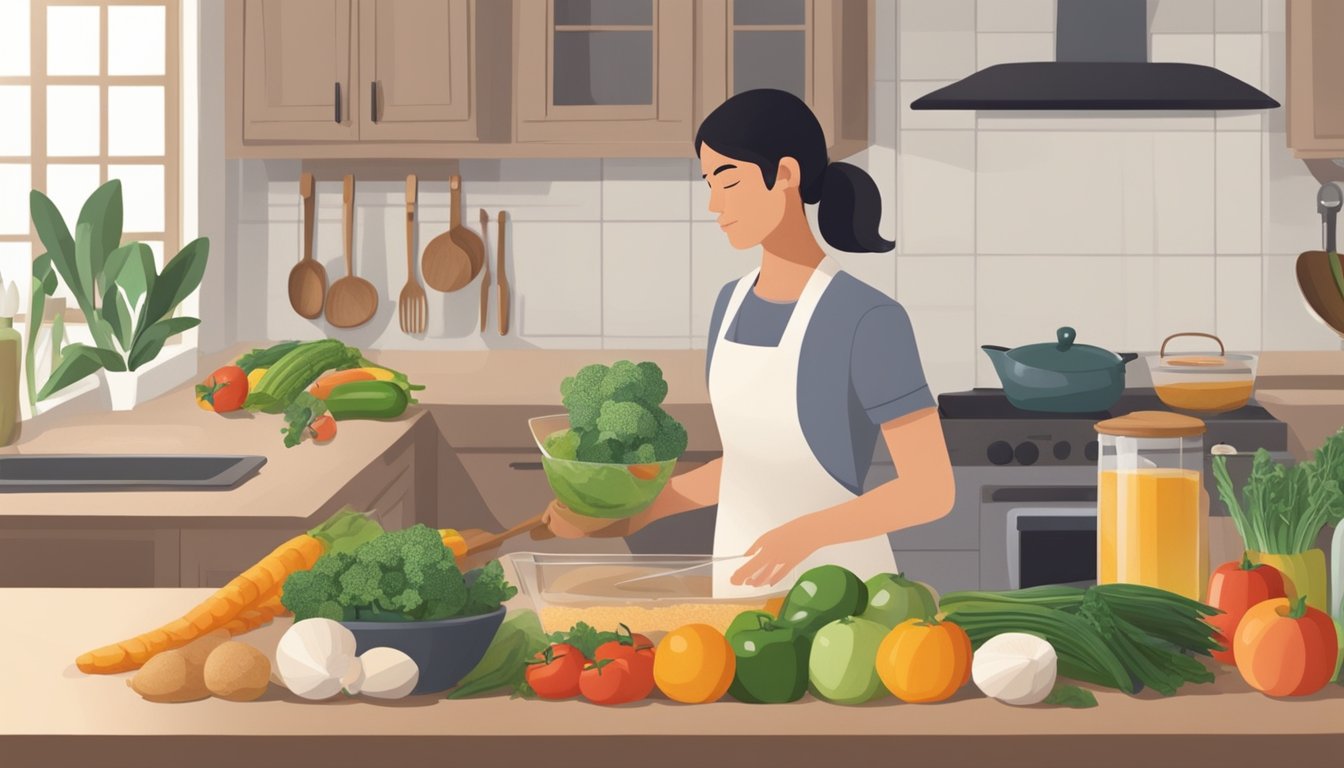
(695, 489)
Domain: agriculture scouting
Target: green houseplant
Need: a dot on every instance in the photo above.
(128, 304)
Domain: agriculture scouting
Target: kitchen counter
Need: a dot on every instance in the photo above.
(302, 482)
(51, 714)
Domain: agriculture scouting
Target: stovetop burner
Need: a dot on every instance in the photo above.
(990, 403)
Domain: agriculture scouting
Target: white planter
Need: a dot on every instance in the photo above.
(122, 389)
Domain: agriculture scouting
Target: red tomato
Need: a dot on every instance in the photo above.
(225, 389)
(636, 649)
(613, 681)
(1234, 588)
(555, 673)
(323, 428)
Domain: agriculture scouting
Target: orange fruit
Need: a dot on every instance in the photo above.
(694, 664)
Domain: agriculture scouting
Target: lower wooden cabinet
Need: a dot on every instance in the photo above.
(74, 555)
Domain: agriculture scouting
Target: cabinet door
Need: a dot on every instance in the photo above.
(415, 70)
(605, 71)
(297, 67)
(1315, 100)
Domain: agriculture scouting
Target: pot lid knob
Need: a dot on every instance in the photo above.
(1066, 336)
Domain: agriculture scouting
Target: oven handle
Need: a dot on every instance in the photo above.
(1040, 494)
(1014, 537)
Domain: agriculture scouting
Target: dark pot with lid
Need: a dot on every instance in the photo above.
(1063, 377)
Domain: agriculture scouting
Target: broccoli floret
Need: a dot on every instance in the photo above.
(644, 454)
(582, 395)
(670, 441)
(444, 591)
(628, 423)
(361, 585)
(563, 444)
(655, 386)
(595, 448)
(488, 590)
(313, 593)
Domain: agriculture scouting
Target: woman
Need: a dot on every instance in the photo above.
(806, 366)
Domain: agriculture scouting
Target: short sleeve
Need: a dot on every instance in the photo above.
(885, 369)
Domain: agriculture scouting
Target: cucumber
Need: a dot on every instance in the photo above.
(294, 372)
(367, 400)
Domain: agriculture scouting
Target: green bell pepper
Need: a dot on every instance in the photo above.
(771, 664)
(822, 595)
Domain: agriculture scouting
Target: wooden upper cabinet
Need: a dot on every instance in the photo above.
(604, 71)
(298, 71)
(1315, 78)
(814, 49)
(415, 69)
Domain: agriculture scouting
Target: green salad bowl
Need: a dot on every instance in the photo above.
(609, 491)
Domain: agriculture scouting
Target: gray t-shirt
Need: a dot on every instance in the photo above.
(859, 368)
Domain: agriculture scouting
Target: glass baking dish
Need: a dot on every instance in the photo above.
(565, 589)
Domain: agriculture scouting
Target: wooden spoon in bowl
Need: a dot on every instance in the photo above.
(353, 300)
(308, 279)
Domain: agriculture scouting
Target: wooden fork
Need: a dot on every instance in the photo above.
(412, 307)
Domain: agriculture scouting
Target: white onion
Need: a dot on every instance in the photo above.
(384, 673)
(1015, 668)
(316, 657)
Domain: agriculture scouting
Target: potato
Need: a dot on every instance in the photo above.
(178, 675)
(237, 672)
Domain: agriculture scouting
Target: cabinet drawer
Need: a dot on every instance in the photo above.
(211, 558)
(88, 557)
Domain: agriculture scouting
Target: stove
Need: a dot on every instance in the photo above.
(983, 429)
(1026, 484)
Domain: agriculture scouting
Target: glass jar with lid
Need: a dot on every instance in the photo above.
(1152, 522)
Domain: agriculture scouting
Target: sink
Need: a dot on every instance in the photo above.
(63, 473)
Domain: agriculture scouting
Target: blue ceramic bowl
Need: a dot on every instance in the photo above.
(445, 651)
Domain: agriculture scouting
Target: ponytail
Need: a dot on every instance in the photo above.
(850, 210)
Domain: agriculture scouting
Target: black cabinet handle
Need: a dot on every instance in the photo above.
(373, 100)
(338, 102)
(524, 465)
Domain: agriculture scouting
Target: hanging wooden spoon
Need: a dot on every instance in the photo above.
(308, 279)
(453, 258)
(353, 300)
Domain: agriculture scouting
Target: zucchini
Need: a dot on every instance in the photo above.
(367, 400)
(265, 358)
(294, 372)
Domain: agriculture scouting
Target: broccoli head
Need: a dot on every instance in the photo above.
(314, 593)
(582, 395)
(594, 447)
(628, 423)
(644, 454)
(670, 440)
(488, 589)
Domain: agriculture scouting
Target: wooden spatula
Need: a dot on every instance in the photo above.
(480, 540)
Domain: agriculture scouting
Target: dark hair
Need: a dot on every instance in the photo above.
(766, 125)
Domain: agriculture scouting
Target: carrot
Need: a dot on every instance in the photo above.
(323, 387)
(249, 600)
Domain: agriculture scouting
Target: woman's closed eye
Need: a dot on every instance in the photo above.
(730, 186)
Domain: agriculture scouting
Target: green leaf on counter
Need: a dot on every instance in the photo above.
(1071, 696)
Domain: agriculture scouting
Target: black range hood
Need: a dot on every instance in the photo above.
(1101, 52)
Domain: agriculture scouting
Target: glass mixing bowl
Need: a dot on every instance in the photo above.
(611, 491)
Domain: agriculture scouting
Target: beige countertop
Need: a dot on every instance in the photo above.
(299, 482)
(50, 713)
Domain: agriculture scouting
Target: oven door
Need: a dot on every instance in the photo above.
(1051, 545)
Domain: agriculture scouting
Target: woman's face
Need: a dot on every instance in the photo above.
(748, 212)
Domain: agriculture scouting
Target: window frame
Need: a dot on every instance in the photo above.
(38, 161)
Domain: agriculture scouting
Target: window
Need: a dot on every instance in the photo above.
(89, 91)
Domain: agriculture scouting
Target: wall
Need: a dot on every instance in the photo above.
(1127, 226)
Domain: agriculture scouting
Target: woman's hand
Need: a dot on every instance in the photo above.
(565, 523)
(776, 554)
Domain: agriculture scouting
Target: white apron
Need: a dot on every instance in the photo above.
(770, 475)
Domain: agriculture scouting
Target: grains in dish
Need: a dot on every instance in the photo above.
(661, 618)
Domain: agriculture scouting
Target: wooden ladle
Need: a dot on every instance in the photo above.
(308, 279)
(353, 300)
(455, 257)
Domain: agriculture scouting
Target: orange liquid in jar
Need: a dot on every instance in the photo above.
(1206, 396)
(1149, 529)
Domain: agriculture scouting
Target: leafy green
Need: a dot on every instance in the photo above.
(1071, 696)
(519, 639)
(616, 412)
(488, 589)
(1282, 509)
(299, 416)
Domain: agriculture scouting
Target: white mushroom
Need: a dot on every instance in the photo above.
(316, 657)
(1015, 668)
(384, 673)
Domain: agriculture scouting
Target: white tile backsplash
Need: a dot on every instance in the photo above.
(1015, 16)
(1183, 48)
(936, 39)
(1181, 16)
(1026, 299)
(1238, 15)
(1238, 176)
(1240, 294)
(1286, 320)
(884, 41)
(946, 339)
(645, 189)
(1184, 192)
(646, 279)
(1240, 55)
(929, 119)
(940, 282)
(1009, 47)
(557, 278)
(936, 180)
